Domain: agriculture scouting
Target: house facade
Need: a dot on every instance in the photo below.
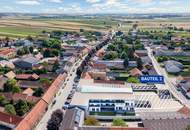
(117, 106)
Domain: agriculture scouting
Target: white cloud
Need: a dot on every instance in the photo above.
(28, 2)
(56, 1)
(93, 1)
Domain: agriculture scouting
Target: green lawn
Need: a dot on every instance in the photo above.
(19, 31)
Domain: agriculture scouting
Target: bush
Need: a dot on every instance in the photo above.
(133, 80)
(118, 122)
(91, 121)
(10, 109)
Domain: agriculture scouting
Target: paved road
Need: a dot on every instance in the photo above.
(60, 98)
(168, 83)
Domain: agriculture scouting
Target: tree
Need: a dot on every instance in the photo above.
(123, 55)
(118, 122)
(45, 81)
(126, 62)
(38, 92)
(55, 121)
(47, 53)
(10, 109)
(29, 38)
(91, 121)
(55, 53)
(8, 86)
(16, 89)
(131, 53)
(111, 55)
(31, 49)
(2, 99)
(188, 128)
(81, 30)
(111, 47)
(139, 63)
(21, 107)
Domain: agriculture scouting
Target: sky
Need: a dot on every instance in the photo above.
(95, 6)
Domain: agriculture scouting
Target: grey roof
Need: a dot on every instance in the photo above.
(71, 119)
(167, 124)
(31, 60)
(173, 66)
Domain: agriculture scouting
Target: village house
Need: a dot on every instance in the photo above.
(7, 53)
(172, 66)
(27, 62)
(135, 72)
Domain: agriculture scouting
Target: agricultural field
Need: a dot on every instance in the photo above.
(34, 27)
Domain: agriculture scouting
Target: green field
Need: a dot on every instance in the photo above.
(34, 27)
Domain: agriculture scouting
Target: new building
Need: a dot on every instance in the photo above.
(117, 106)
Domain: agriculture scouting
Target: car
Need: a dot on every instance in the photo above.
(65, 107)
(53, 103)
(67, 103)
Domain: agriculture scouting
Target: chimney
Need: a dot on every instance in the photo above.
(10, 120)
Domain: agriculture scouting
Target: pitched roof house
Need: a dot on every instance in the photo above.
(26, 62)
(10, 75)
(135, 72)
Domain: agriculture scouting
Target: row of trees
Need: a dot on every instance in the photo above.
(20, 108)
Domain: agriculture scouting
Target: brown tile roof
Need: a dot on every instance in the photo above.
(20, 96)
(109, 81)
(99, 66)
(10, 119)
(185, 110)
(6, 51)
(10, 75)
(135, 72)
(27, 76)
(52, 90)
(33, 116)
(86, 76)
(28, 91)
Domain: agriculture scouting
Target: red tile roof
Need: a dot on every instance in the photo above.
(52, 90)
(27, 76)
(6, 51)
(28, 91)
(86, 76)
(185, 110)
(135, 72)
(33, 117)
(20, 96)
(10, 119)
(99, 66)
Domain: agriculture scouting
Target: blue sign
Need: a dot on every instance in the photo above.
(157, 79)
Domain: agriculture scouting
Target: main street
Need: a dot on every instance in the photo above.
(168, 83)
(61, 96)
